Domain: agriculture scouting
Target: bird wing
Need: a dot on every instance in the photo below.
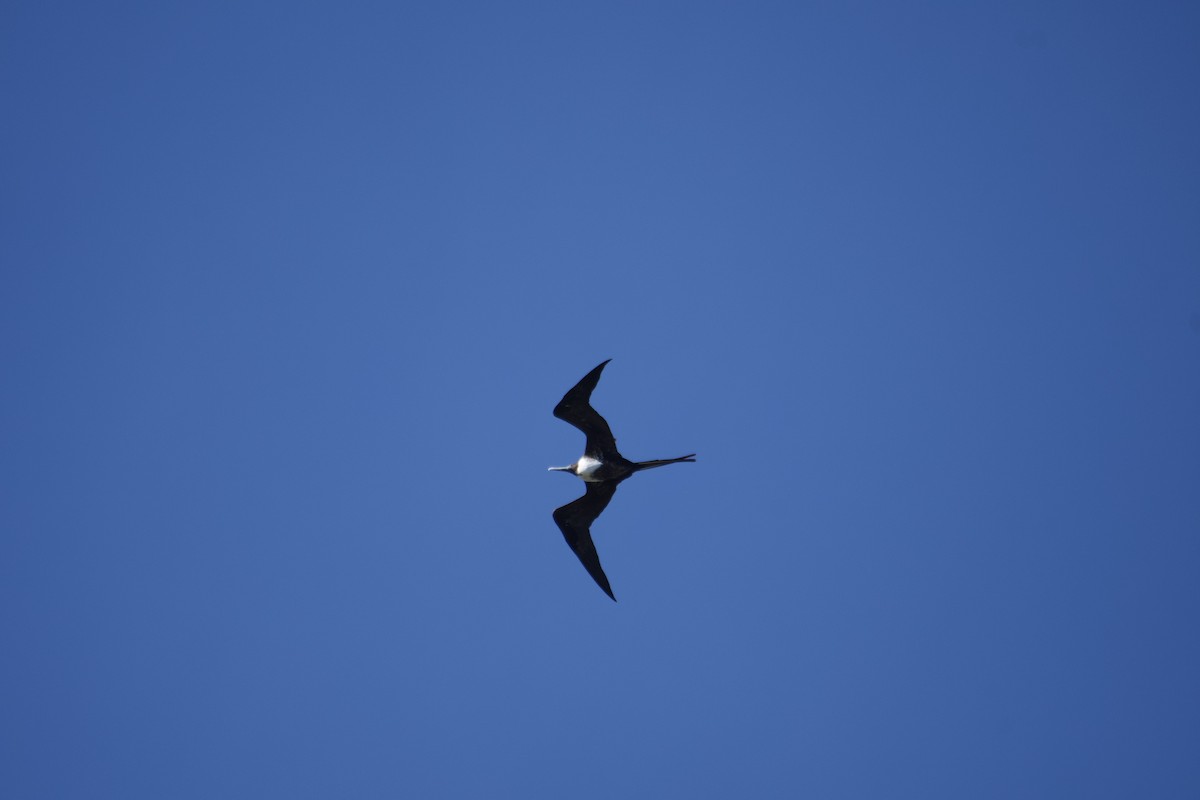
(576, 409)
(575, 520)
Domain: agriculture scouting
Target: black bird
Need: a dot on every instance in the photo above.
(601, 467)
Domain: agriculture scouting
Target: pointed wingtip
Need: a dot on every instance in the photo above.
(602, 582)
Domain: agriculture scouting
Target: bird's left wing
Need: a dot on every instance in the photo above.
(576, 408)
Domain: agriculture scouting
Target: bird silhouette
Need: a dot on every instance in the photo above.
(602, 469)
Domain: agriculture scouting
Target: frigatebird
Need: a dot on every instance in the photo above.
(601, 467)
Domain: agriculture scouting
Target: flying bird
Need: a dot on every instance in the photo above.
(602, 469)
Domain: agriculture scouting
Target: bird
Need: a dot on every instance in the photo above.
(600, 467)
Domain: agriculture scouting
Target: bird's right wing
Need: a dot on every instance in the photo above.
(575, 521)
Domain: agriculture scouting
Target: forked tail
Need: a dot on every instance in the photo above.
(641, 465)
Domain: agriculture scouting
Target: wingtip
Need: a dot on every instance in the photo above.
(605, 586)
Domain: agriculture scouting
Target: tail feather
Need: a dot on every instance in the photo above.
(641, 465)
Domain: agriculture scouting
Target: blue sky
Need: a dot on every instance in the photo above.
(290, 290)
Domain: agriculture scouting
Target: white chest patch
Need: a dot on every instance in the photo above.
(586, 468)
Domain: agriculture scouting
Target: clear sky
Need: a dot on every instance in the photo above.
(289, 289)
